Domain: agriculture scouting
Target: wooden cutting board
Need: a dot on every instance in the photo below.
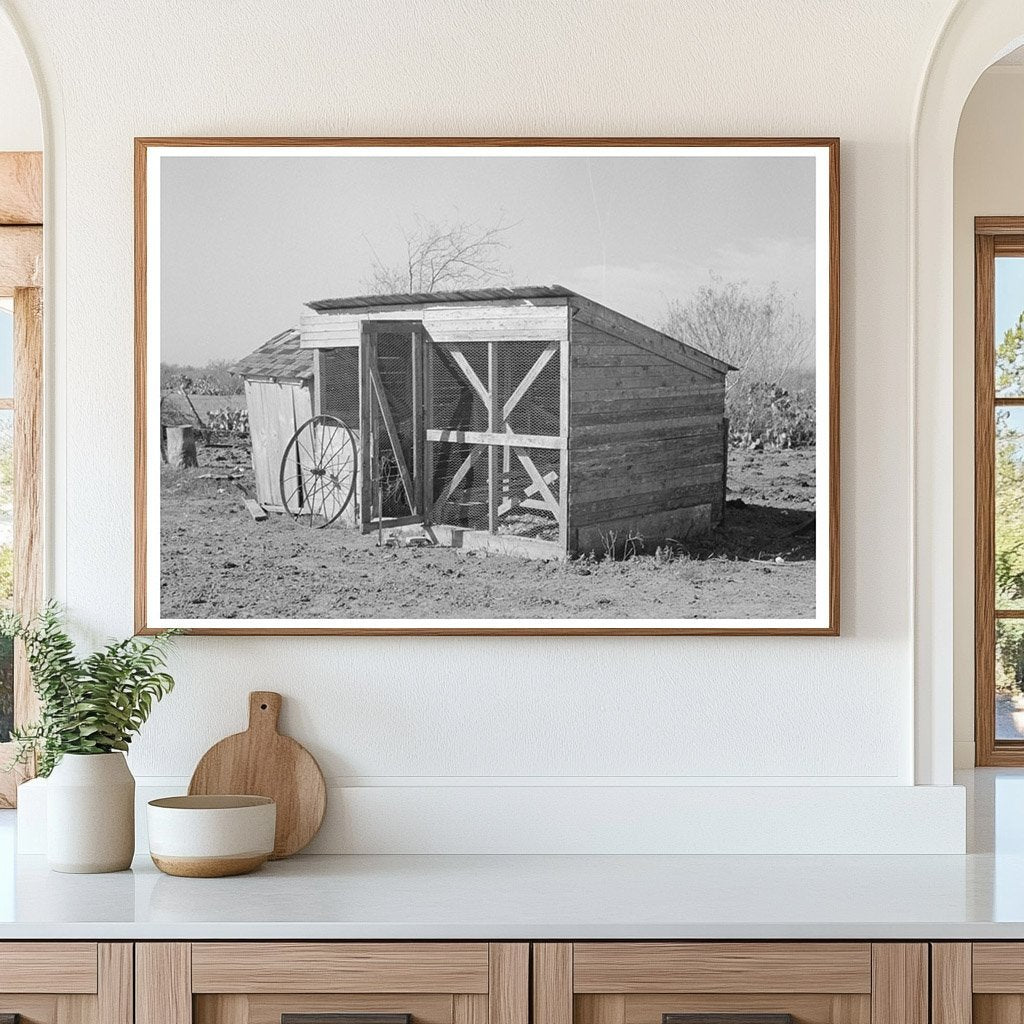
(262, 762)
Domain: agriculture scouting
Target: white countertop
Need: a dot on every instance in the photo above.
(977, 896)
(496, 897)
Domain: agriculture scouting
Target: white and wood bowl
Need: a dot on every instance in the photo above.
(211, 836)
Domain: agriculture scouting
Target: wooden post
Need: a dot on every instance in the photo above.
(318, 381)
(566, 545)
(416, 340)
(428, 423)
(364, 481)
(725, 467)
(494, 419)
(181, 447)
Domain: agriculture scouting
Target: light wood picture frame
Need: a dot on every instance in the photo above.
(517, 418)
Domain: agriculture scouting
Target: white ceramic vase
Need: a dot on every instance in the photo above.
(90, 814)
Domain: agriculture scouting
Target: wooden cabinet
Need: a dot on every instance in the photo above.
(978, 983)
(758, 982)
(66, 982)
(306, 982)
(494, 983)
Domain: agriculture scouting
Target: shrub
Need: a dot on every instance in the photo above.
(769, 416)
(90, 705)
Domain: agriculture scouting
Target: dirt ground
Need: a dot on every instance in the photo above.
(218, 563)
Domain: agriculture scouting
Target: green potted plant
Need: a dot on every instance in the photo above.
(90, 708)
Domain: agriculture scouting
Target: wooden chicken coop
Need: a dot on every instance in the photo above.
(528, 420)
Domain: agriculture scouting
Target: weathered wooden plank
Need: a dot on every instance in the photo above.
(255, 510)
(482, 390)
(665, 429)
(596, 511)
(502, 543)
(596, 379)
(620, 487)
(494, 474)
(624, 327)
(672, 410)
(21, 258)
(639, 406)
(487, 437)
(598, 449)
(21, 188)
(547, 499)
(594, 399)
(626, 472)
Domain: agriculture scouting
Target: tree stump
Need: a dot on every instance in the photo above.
(181, 447)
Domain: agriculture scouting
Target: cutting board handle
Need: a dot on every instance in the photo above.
(264, 710)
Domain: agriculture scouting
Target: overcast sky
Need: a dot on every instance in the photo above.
(245, 241)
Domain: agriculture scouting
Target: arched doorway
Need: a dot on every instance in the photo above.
(21, 352)
(976, 34)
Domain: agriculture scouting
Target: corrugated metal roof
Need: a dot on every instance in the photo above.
(281, 357)
(469, 295)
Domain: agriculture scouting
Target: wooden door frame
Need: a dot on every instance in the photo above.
(993, 237)
(367, 440)
(21, 269)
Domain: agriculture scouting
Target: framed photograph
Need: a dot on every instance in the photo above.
(568, 386)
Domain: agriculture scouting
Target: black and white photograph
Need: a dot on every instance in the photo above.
(454, 386)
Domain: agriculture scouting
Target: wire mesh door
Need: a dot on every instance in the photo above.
(392, 426)
(496, 437)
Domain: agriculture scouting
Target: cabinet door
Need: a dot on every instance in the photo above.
(730, 983)
(332, 983)
(65, 983)
(980, 982)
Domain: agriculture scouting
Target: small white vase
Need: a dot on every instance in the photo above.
(90, 814)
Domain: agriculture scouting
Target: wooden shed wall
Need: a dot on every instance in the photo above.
(647, 440)
(276, 411)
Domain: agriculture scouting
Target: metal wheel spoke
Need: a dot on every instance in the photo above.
(319, 468)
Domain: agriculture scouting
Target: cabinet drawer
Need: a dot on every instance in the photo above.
(340, 967)
(749, 967)
(66, 982)
(64, 967)
(332, 983)
(730, 983)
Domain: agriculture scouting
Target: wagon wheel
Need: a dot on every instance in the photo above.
(318, 471)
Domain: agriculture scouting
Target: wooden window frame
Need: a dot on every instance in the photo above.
(21, 269)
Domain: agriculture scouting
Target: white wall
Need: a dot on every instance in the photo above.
(987, 181)
(20, 124)
(433, 715)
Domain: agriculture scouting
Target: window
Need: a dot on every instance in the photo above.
(999, 490)
(21, 374)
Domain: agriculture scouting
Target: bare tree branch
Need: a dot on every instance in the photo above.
(758, 331)
(444, 257)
